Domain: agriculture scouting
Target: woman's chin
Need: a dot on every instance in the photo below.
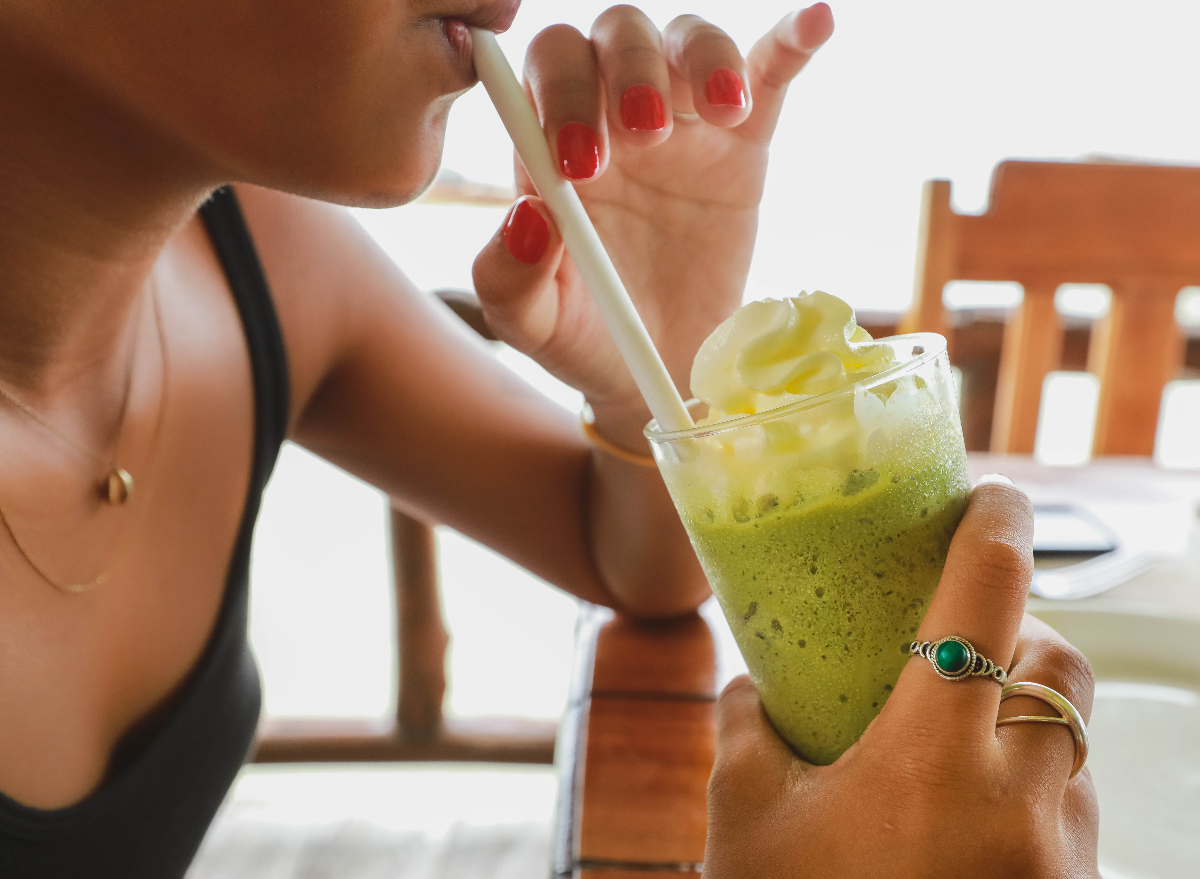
(383, 193)
(370, 180)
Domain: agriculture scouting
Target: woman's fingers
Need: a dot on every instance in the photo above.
(749, 751)
(1044, 657)
(562, 75)
(708, 75)
(634, 70)
(514, 276)
(776, 59)
(627, 79)
(981, 597)
(751, 779)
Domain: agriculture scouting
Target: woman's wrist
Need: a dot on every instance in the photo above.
(592, 434)
(621, 425)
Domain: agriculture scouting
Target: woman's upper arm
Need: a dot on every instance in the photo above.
(389, 385)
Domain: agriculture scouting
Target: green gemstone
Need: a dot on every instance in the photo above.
(951, 657)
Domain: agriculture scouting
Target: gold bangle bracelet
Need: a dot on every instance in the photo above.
(587, 423)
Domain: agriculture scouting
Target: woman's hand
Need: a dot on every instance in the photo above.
(666, 136)
(933, 787)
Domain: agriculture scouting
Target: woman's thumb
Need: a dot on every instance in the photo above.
(514, 276)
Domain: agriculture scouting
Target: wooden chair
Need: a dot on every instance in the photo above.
(1133, 227)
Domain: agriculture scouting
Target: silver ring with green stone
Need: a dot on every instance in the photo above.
(955, 659)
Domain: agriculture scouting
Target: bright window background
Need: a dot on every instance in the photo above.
(904, 92)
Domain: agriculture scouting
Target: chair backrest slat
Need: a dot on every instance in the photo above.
(1136, 349)
(1032, 347)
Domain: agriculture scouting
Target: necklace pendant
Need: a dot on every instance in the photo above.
(118, 486)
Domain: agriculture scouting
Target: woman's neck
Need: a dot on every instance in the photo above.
(91, 197)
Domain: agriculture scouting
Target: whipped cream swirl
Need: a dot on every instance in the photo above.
(775, 352)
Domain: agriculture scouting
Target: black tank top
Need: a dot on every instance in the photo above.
(148, 821)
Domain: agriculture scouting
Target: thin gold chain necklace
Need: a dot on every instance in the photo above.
(118, 484)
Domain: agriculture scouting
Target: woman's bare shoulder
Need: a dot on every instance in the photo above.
(326, 276)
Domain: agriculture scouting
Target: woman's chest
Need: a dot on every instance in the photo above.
(80, 670)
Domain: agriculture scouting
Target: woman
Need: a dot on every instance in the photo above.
(148, 378)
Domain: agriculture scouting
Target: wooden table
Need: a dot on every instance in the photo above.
(637, 742)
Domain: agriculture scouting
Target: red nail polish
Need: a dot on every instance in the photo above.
(578, 151)
(642, 109)
(724, 89)
(526, 233)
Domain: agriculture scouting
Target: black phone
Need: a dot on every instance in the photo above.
(1061, 531)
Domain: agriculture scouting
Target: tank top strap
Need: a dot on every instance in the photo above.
(231, 239)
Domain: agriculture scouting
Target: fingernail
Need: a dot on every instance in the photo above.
(578, 151)
(724, 89)
(642, 109)
(994, 479)
(526, 234)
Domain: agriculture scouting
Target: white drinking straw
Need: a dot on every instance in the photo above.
(584, 245)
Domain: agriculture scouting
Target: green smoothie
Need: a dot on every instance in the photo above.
(825, 596)
(820, 488)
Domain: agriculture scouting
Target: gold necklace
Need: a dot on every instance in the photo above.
(119, 484)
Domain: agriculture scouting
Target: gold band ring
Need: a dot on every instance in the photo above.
(1068, 716)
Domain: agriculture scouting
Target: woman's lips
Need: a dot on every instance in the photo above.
(459, 37)
(496, 16)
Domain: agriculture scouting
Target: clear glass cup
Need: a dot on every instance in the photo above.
(823, 528)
